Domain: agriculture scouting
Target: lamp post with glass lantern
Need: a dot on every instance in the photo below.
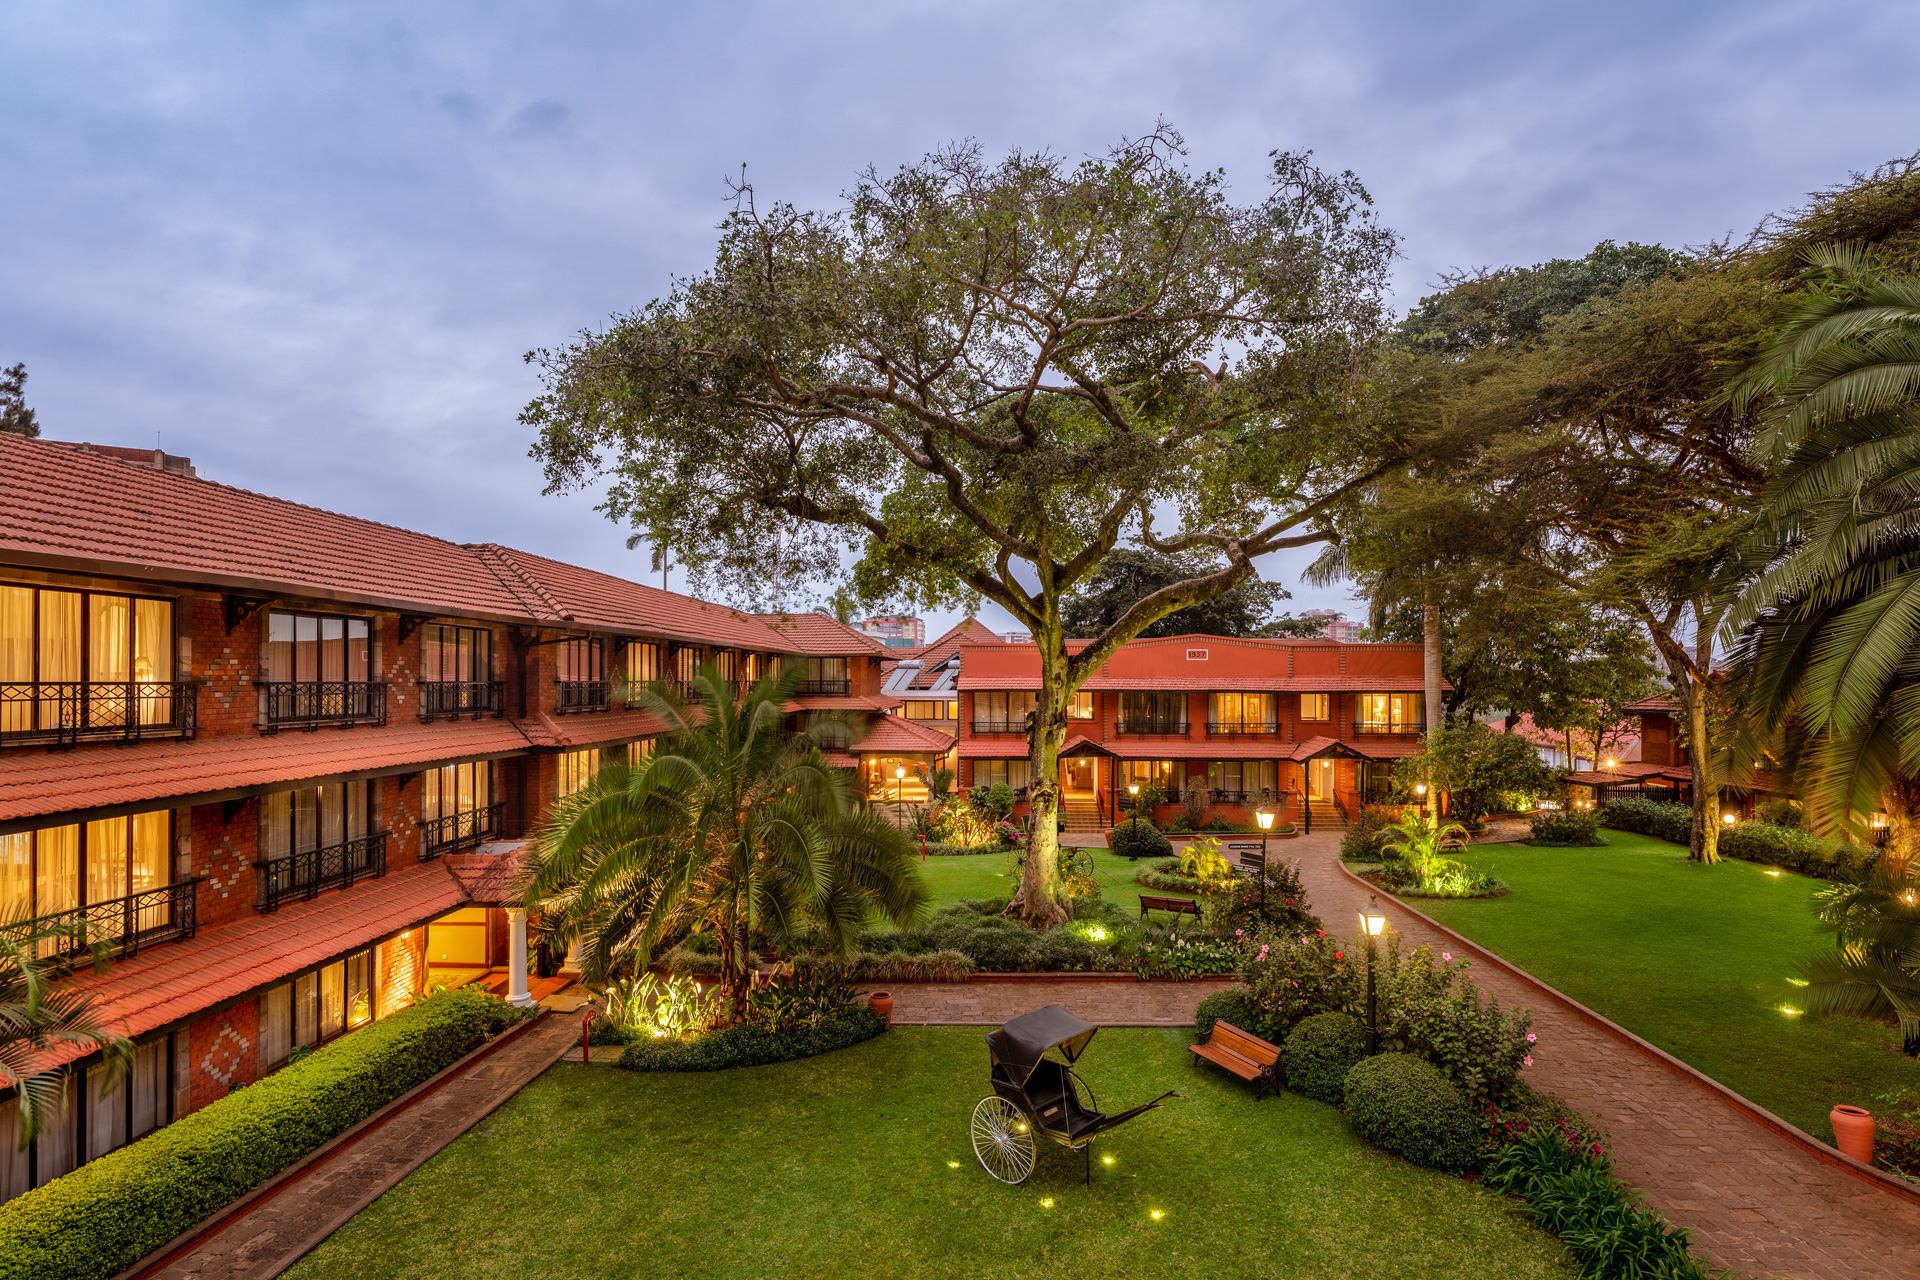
(1371, 923)
(1420, 789)
(1265, 818)
(1133, 790)
(899, 787)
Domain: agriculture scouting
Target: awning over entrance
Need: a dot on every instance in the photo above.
(1081, 745)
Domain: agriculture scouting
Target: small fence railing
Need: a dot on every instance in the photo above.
(460, 830)
(583, 695)
(999, 724)
(309, 704)
(302, 875)
(64, 713)
(1417, 725)
(1241, 728)
(456, 698)
(832, 688)
(125, 925)
(1163, 725)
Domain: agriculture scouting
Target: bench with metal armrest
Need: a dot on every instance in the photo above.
(1247, 1056)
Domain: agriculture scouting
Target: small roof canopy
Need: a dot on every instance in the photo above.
(1022, 1043)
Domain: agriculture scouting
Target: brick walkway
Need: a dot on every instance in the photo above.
(1111, 1004)
(271, 1237)
(1755, 1200)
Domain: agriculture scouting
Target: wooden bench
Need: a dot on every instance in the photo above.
(1176, 906)
(1247, 1056)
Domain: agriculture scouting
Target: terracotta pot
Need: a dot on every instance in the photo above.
(1853, 1132)
(881, 1002)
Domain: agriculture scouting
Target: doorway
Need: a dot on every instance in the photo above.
(1319, 779)
(1076, 774)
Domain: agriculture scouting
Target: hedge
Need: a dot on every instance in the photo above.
(111, 1212)
(752, 1047)
(1656, 818)
(1797, 850)
(1319, 1054)
(1138, 840)
(1570, 829)
(1403, 1104)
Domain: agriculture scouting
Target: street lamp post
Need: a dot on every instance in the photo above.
(1371, 923)
(899, 785)
(1265, 818)
(1133, 790)
(1420, 789)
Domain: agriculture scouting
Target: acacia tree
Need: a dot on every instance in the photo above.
(976, 376)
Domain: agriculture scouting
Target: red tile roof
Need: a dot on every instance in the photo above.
(1212, 684)
(892, 733)
(840, 760)
(487, 874)
(589, 728)
(35, 783)
(590, 599)
(1666, 702)
(1625, 773)
(70, 509)
(943, 646)
(167, 984)
(823, 636)
(854, 702)
(1184, 749)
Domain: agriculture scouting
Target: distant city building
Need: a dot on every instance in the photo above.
(896, 633)
(1334, 625)
(1018, 637)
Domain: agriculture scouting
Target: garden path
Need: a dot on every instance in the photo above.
(275, 1233)
(1754, 1199)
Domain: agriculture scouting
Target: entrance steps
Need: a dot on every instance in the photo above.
(1082, 815)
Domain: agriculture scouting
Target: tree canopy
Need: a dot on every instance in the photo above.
(1127, 577)
(975, 376)
(14, 414)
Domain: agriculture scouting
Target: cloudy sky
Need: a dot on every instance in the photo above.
(307, 244)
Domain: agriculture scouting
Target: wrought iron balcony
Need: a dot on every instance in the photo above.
(1413, 724)
(309, 704)
(1000, 725)
(123, 925)
(840, 687)
(1241, 728)
(304, 874)
(62, 714)
(1162, 725)
(583, 695)
(461, 830)
(456, 698)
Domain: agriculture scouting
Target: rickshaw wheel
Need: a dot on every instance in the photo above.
(1002, 1140)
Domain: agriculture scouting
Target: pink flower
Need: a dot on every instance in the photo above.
(1531, 1037)
(1446, 955)
(1238, 932)
(1527, 1061)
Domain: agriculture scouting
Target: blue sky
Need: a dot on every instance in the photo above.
(307, 244)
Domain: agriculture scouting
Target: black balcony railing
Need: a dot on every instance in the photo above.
(304, 874)
(124, 925)
(308, 704)
(1416, 724)
(583, 695)
(1001, 725)
(460, 830)
(456, 698)
(61, 714)
(830, 688)
(1152, 724)
(1240, 728)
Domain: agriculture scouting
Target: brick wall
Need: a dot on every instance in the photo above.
(398, 807)
(223, 1050)
(400, 972)
(226, 664)
(224, 852)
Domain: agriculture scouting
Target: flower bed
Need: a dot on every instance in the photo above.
(752, 1046)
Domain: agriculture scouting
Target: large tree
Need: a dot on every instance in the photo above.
(976, 376)
(14, 414)
(1127, 577)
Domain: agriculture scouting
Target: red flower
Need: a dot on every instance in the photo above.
(1338, 956)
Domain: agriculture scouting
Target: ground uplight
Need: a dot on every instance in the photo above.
(1156, 1215)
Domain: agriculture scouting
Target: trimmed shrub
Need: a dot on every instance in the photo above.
(1403, 1104)
(109, 1213)
(1366, 833)
(1656, 818)
(1573, 828)
(1320, 1053)
(1141, 840)
(1781, 812)
(1233, 1005)
(752, 1047)
(1797, 850)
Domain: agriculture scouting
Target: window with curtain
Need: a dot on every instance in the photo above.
(753, 668)
(51, 636)
(1169, 775)
(577, 769)
(456, 788)
(463, 654)
(1002, 712)
(726, 664)
(938, 709)
(686, 663)
(1391, 712)
(1316, 706)
(826, 676)
(580, 660)
(276, 1026)
(1250, 780)
(1243, 712)
(644, 662)
(56, 869)
(1015, 773)
(305, 648)
(312, 818)
(1156, 711)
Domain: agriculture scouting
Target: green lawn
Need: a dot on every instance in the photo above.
(1692, 958)
(858, 1164)
(984, 875)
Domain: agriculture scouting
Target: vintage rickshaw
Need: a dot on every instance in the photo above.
(1033, 1093)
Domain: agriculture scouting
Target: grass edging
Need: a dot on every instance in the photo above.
(217, 1221)
(1753, 1110)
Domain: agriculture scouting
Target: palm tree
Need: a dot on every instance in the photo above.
(1826, 625)
(1874, 969)
(1417, 841)
(36, 1015)
(733, 824)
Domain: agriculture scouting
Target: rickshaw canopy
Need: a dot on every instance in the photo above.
(1020, 1045)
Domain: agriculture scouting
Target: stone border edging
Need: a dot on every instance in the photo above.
(177, 1247)
(1753, 1110)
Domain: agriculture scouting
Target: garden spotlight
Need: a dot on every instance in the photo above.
(1371, 923)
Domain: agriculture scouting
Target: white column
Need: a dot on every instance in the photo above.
(517, 958)
(571, 965)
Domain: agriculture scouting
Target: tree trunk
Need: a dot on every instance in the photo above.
(1038, 901)
(1902, 799)
(1430, 620)
(1705, 844)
